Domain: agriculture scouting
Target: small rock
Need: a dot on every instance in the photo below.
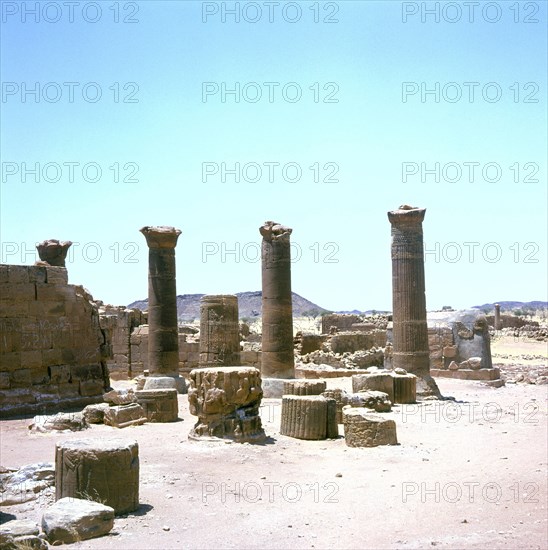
(166, 528)
(338, 475)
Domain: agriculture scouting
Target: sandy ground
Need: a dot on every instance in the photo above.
(466, 474)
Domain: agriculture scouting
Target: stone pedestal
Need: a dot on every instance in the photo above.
(311, 417)
(53, 252)
(159, 405)
(365, 429)
(219, 331)
(163, 342)
(105, 470)
(304, 387)
(277, 358)
(226, 401)
(410, 331)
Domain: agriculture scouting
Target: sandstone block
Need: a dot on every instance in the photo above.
(56, 275)
(18, 274)
(37, 274)
(73, 422)
(72, 519)
(474, 363)
(21, 378)
(450, 351)
(102, 469)
(304, 387)
(159, 405)
(123, 416)
(378, 382)
(364, 429)
(4, 380)
(13, 308)
(308, 417)
(120, 397)
(95, 413)
(59, 374)
(371, 399)
(453, 366)
(341, 399)
(31, 359)
(88, 388)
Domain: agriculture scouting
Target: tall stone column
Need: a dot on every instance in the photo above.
(277, 315)
(498, 324)
(163, 342)
(53, 252)
(219, 331)
(410, 332)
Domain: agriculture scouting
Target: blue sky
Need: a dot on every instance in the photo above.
(154, 127)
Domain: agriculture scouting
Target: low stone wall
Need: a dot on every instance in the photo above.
(341, 321)
(353, 341)
(53, 350)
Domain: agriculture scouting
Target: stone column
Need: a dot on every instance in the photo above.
(498, 324)
(410, 331)
(277, 315)
(163, 343)
(219, 331)
(53, 252)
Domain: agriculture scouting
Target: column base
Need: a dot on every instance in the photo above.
(274, 387)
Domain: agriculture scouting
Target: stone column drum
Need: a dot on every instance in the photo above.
(53, 252)
(219, 331)
(226, 401)
(410, 331)
(163, 342)
(277, 360)
(105, 470)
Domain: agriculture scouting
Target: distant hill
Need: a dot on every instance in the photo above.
(510, 305)
(249, 305)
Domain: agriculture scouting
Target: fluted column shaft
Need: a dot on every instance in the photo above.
(277, 360)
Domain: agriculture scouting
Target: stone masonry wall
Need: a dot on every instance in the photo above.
(52, 348)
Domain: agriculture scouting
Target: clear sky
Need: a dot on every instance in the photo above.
(328, 113)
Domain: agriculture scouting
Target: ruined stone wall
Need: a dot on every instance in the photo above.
(510, 321)
(118, 323)
(52, 348)
(354, 341)
(340, 320)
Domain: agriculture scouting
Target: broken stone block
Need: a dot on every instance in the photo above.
(378, 381)
(341, 399)
(95, 413)
(474, 363)
(450, 351)
(123, 416)
(226, 401)
(306, 416)
(21, 534)
(26, 484)
(73, 422)
(159, 405)
(405, 388)
(365, 429)
(120, 397)
(376, 400)
(103, 470)
(453, 366)
(304, 387)
(73, 519)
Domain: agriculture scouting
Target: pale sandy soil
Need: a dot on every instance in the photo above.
(471, 474)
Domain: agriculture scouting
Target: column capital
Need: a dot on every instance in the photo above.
(53, 252)
(274, 231)
(161, 236)
(406, 215)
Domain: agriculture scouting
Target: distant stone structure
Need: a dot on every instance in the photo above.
(277, 309)
(163, 343)
(53, 350)
(219, 331)
(410, 331)
(53, 252)
(498, 324)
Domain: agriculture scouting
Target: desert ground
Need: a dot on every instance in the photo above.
(469, 473)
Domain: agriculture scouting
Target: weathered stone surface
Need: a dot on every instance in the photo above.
(371, 399)
(73, 422)
(277, 358)
(26, 483)
(304, 387)
(21, 534)
(120, 397)
(474, 363)
(468, 374)
(73, 519)
(123, 416)
(95, 413)
(405, 388)
(19, 528)
(219, 331)
(163, 343)
(226, 401)
(365, 429)
(308, 417)
(453, 366)
(341, 399)
(377, 381)
(410, 331)
(159, 405)
(105, 470)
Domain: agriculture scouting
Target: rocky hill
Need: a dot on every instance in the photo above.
(249, 305)
(509, 306)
